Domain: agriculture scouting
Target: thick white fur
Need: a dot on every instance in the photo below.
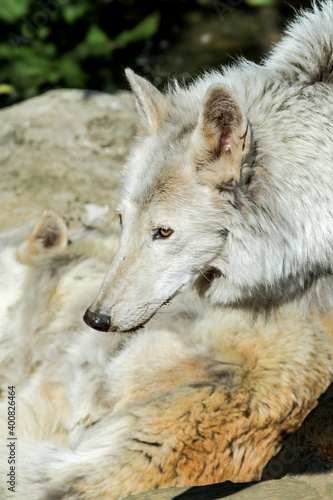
(199, 396)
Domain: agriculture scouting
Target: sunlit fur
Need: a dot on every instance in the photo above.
(257, 243)
(199, 396)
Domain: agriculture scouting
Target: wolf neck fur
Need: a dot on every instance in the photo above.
(260, 211)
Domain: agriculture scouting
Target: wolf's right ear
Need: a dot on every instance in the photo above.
(222, 138)
(151, 104)
(48, 238)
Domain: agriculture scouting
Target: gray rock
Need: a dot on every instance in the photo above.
(62, 150)
(284, 489)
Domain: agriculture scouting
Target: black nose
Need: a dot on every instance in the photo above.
(97, 320)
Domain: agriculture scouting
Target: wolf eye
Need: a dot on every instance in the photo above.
(162, 233)
(120, 220)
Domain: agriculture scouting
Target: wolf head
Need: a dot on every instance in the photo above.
(174, 218)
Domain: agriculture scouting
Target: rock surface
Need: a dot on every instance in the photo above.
(64, 151)
(61, 151)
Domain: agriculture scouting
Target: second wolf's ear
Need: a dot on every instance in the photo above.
(222, 138)
(151, 104)
(48, 238)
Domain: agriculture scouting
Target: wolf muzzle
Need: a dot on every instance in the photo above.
(97, 320)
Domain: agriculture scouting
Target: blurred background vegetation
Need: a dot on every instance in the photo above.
(46, 44)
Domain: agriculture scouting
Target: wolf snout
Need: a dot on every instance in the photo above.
(97, 320)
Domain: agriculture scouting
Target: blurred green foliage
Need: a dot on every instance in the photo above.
(46, 44)
(68, 43)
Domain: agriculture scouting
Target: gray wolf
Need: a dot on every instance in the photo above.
(189, 400)
(230, 190)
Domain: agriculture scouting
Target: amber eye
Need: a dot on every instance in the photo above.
(162, 233)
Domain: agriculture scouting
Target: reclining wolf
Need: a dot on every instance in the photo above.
(231, 188)
(189, 400)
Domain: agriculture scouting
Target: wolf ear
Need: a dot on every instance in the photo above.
(222, 138)
(49, 233)
(48, 237)
(151, 104)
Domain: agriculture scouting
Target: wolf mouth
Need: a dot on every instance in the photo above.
(142, 325)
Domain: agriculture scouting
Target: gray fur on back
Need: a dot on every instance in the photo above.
(306, 51)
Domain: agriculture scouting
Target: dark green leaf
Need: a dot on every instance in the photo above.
(73, 12)
(12, 10)
(145, 29)
(95, 44)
